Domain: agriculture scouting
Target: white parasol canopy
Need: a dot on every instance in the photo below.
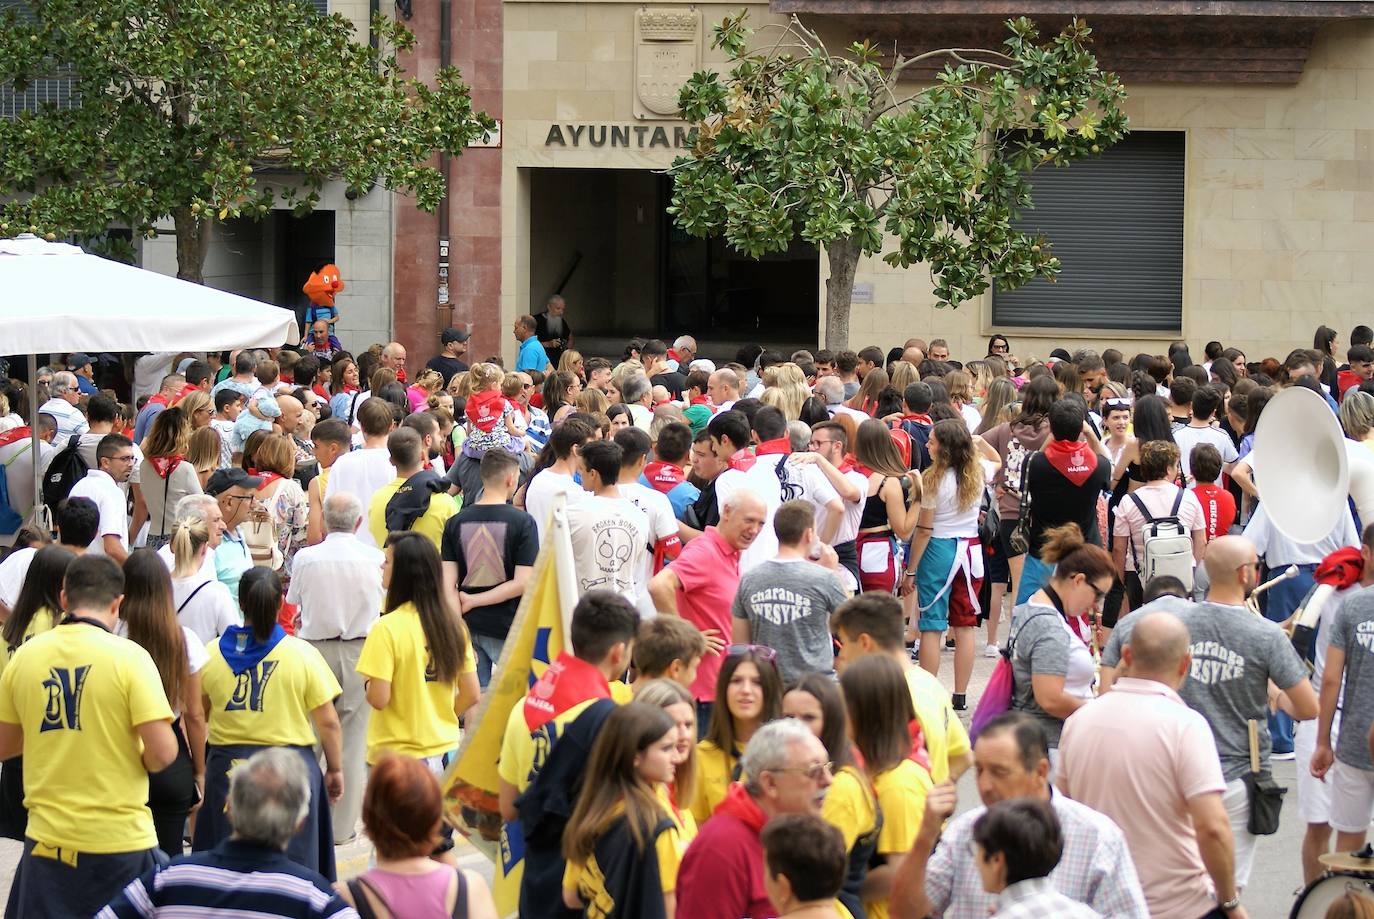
(57, 298)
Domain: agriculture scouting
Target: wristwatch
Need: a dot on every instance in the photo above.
(1229, 905)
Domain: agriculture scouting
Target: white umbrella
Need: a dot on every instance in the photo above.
(57, 298)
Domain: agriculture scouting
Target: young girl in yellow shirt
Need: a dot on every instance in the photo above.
(677, 701)
(748, 696)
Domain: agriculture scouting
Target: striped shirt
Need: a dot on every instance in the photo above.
(233, 878)
(1095, 869)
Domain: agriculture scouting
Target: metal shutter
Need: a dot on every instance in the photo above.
(57, 90)
(1116, 223)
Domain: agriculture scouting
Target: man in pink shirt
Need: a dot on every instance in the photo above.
(700, 584)
(1141, 756)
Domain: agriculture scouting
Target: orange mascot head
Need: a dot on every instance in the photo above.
(323, 285)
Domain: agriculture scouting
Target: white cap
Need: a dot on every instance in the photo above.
(702, 363)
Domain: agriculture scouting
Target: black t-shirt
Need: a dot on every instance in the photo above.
(487, 541)
(1056, 501)
(672, 381)
(448, 366)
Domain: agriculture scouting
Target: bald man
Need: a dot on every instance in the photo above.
(1235, 656)
(291, 413)
(1141, 756)
(914, 356)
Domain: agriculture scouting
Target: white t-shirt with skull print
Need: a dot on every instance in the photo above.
(612, 544)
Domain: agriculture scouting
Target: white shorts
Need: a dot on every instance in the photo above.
(1314, 795)
(1352, 798)
(1236, 800)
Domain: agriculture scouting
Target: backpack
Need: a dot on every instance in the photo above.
(10, 519)
(919, 435)
(66, 469)
(1166, 545)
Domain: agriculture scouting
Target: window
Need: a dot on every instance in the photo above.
(1116, 223)
(54, 89)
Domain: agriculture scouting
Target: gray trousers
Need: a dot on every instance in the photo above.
(342, 658)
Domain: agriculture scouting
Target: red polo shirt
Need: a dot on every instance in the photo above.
(708, 570)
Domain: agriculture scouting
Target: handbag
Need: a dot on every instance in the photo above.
(1265, 795)
(1019, 541)
(1001, 689)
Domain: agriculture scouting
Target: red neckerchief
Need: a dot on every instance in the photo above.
(740, 804)
(484, 409)
(320, 391)
(267, 478)
(1073, 458)
(401, 375)
(703, 400)
(847, 464)
(664, 402)
(15, 434)
(165, 465)
(778, 446)
(1340, 569)
(158, 399)
(919, 754)
(672, 354)
(918, 418)
(853, 463)
(1080, 627)
(568, 681)
(185, 391)
(743, 460)
(664, 477)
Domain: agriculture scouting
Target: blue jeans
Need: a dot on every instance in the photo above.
(1035, 574)
(488, 651)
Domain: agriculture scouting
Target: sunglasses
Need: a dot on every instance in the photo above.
(762, 652)
(812, 772)
(1118, 402)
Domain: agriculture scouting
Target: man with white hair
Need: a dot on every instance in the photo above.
(248, 873)
(195, 508)
(637, 392)
(337, 586)
(684, 352)
(62, 406)
(394, 358)
(784, 770)
(831, 391)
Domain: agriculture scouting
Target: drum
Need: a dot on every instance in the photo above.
(1313, 902)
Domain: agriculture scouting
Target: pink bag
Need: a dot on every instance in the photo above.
(996, 697)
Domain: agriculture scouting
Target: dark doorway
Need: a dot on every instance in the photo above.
(303, 244)
(602, 238)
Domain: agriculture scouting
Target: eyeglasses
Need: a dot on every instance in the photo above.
(999, 349)
(1099, 595)
(817, 442)
(812, 772)
(122, 459)
(239, 497)
(762, 652)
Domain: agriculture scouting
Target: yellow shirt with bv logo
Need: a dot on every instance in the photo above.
(270, 703)
(79, 693)
(419, 720)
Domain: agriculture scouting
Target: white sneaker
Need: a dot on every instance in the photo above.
(992, 651)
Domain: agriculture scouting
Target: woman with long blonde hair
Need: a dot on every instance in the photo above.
(592, 401)
(945, 566)
(960, 387)
(198, 408)
(866, 399)
(571, 362)
(1000, 396)
(203, 452)
(903, 375)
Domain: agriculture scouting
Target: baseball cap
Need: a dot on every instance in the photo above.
(454, 334)
(78, 359)
(233, 477)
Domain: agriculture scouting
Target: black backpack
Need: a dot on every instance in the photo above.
(66, 469)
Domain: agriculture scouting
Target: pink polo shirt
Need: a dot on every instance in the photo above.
(708, 570)
(1138, 754)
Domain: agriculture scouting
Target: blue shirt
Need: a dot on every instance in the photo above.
(532, 356)
(232, 560)
(314, 313)
(86, 386)
(233, 876)
(144, 421)
(681, 496)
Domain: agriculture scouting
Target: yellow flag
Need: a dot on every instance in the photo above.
(537, 636)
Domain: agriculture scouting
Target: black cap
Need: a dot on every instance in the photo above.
(454, 334)
(78, 359)
(233, 477)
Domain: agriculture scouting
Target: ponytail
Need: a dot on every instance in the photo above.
(189, 536)
(260, 600)
(1066, 549)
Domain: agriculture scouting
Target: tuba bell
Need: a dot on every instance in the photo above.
(1301, 468)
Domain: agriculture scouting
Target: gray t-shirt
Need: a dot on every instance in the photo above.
(1043, 645)
(1111, 654)
(788, 605)
(1235, 655)
(1353, 633)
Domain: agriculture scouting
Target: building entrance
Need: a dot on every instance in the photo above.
(603, 239)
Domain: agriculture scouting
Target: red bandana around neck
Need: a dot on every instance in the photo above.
(740, 804)
(484, 409)
(743, 460)
(776, 446)
(165, 465)
(567, 682)
(703, 400)
(14, 435)
(1074, 459)
(918, 418)
(267, 478)
(664, 477)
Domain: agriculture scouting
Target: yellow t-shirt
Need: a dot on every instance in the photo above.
(714, 770)
(850, 806)
(79, 693)
(43, 620)
(419, 720)
(431, 523)
(944, 733)
(269, 704)
(683, 821)
(902, 796)
(589, 882)
(523, 753)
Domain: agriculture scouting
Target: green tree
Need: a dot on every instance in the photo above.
(206, 109)
(843, 152)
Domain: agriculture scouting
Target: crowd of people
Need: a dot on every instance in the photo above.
(204, 691)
